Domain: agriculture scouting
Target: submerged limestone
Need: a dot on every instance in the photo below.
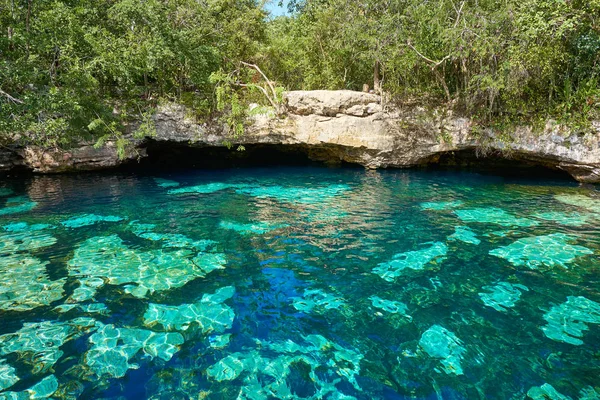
(464, 234)
(394, 307)
(8, 375)
(209, 314)
(440, 343)
(89, 219)
(5, 191)
(567, 219)
(318, 300)
(41, 390)
(441, 205)
(549, 250)
(25, 227)
(24, 284)
(18, 204)
(545, 392)
(143, 272)
(173, 240)
(11, 243)
(304, 195)
(502, 296)
(568, 321)
(165, 183)
(264, 373)
(281, 193)
(113, 348)
(39, 342)
(581, 201)
(493, 215)
(248, 229)
(205, 188)
(415, 260)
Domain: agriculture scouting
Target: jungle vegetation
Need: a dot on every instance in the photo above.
(72, 69)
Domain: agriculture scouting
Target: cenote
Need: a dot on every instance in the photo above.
(299, 282)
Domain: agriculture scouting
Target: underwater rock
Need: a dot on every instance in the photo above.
(315, 298)
(415, 260)
(114, 347)
(394, 307)
(219, 341)
(18, 204)
(550, 250)
(39, 342)
(464, 234)
(296, 194)
(89, 219)
(24, 284)
(165, 183)
(441, 205)
(11, 243)
(25, 227)
(502, 296)
(41, 390)
(173, 240)
(87, 289)
(440, 343)
(265, 373)
(579, 200)
(493, 215)
(108, 258)
(567, 322)
(205, 189)
(93, 308)
(209, 313)
(545, 392)
(8, 375)
(589, 393)
(5, 192)
(567, 219)
(247, 229)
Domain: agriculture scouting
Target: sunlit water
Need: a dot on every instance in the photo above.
(299, 283)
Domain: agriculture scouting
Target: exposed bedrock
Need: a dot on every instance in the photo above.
(354, 127)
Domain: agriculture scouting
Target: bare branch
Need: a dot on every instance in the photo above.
(458, 12)
(434, 63)
(10, 98)
(254, 66)
(262, 89)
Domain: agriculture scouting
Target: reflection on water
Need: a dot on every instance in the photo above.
(298, 283)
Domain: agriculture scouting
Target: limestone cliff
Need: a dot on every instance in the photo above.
(353, 127)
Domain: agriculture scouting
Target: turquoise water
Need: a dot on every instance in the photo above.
(299, 283)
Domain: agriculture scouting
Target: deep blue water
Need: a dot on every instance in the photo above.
(299, 283)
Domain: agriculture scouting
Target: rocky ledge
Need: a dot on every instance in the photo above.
(354, 127)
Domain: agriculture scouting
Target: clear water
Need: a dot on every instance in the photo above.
(299, 283)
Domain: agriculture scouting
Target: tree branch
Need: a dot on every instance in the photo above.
(262, 89)
(254, 66)
(429, 60)
(10, 98)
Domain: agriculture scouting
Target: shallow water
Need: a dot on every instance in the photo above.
(299, 283)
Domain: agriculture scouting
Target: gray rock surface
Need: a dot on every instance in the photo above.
(355, 127)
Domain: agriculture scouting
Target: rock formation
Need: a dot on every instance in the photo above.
(354, 127)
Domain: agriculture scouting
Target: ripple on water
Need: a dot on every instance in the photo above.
(298, 283)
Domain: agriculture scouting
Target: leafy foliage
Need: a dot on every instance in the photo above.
(86, 68)
(96, 69)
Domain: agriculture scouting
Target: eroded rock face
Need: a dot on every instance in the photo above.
(355, 127)
(83, 158)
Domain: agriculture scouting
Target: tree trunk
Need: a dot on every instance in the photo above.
(376, 81)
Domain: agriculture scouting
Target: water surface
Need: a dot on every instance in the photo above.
(299, 283)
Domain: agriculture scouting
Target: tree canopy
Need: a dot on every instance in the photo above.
(73, 69)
